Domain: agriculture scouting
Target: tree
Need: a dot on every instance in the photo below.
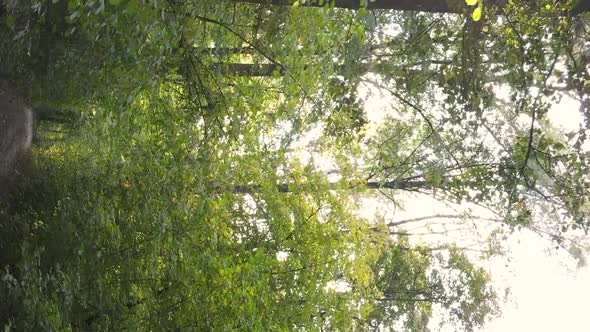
(432, 6)
(16, 126)
(177, 204)
(580, 6)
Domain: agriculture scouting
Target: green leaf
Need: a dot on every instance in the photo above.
(471, 2)
(73, 4)
(360, 31)
(476, 14)
(362, 12)
(10, 21)
(131, 6)
(115, 2)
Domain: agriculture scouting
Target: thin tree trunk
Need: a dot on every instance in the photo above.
(260, 69)
(287, 188)
(248, 69)
(227, 50)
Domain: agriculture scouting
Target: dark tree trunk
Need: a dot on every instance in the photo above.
(581, 6)
(432, 6)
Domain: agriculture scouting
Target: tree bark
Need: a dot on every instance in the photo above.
(580, 7)
(288, 188)
(16, 136)
(431, 6)
(264, 69)
(227, 50)
(248, 69)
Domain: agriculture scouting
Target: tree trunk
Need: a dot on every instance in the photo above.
(227, 50)
(266, 69)
(432, 6)
(581, 6)
(16, 136)
(287, 188)
(248, 69)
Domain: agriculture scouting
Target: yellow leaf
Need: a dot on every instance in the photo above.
(10, 21)
(476, 14)
(471, 2)
(125, 184)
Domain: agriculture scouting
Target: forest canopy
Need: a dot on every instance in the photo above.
(203, 165)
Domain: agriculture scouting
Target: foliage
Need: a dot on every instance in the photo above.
(172, 199)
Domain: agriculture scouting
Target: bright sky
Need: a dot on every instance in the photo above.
(547, 290)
